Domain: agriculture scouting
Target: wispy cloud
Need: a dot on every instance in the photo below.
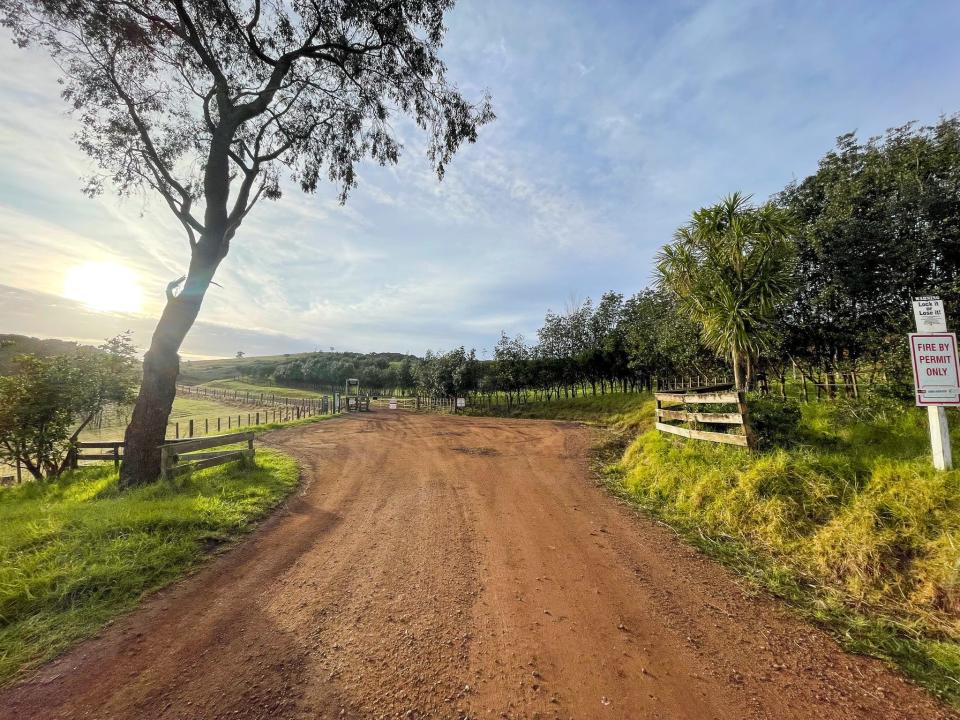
(615, 119)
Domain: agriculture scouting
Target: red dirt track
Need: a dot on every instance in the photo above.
(451, 567)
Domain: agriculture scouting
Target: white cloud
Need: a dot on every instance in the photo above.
(614, 121)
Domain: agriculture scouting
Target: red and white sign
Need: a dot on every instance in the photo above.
(935, 368)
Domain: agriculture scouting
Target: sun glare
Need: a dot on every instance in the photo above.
(104, 286)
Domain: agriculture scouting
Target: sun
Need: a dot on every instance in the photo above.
(104, 286)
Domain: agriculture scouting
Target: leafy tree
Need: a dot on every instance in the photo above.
(660, 339)
(606, 358)
(511, 360)
(729, 268)
(448, 374)
(879, 222)
(207, 103)
(405, 374)
(47, 402)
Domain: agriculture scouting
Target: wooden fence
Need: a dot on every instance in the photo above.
(193, 427)
(177, 458)
(246, 397)
(691, 382)
(115, 454)
(680, 401)
(418, 402)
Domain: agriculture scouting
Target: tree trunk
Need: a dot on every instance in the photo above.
(161, 366)
(737, 370)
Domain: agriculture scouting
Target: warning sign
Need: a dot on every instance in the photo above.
(929, 314)
(935, 372)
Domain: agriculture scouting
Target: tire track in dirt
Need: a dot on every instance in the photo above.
(451, 567)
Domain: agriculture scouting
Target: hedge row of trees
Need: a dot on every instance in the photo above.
(815, 283)
(377, 372)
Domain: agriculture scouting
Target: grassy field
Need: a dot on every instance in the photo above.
(184, 410)
(194, 372)
(251, 387)
(851, 525)
(76, 552)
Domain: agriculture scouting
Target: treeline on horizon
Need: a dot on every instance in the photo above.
(877, 224)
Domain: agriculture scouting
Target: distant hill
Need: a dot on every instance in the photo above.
(13, 345)
(195, 372)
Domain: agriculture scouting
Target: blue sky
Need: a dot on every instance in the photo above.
(615, 120)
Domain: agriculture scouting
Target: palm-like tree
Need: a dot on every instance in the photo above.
(730, 267)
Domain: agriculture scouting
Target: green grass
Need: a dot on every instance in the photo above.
(75, 552)
(185, 409)
(609, 409)
(201, 371)
(852, 525)
(246, 386)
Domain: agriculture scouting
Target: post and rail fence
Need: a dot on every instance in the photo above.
(252, 398)
(680, 402)
(177, 458)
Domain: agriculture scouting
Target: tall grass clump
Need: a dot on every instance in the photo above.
(849, 521)
(76, 551)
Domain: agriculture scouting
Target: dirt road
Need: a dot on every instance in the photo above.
(437, 567)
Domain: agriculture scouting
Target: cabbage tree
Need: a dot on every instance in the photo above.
(730, 267)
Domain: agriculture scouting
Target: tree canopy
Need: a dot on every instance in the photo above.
(47, 401)
(210, 102)
(730, 268)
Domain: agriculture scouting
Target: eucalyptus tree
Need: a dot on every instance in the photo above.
(730, 267)
(208, 103)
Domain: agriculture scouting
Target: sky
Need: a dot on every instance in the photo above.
(615, 120)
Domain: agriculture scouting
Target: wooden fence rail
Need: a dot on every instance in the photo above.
(712, 395)
(77, 454)
(177, 458)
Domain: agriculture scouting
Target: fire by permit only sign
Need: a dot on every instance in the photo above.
(935, 368)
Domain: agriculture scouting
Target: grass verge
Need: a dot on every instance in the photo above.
(851, 525)
(76, 551)
(620, 409)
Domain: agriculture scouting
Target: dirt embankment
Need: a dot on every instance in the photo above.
(438, 567)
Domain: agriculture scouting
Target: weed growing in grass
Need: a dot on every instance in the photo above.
(76, 551)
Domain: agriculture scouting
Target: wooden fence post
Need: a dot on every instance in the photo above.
(747, 426)
(116, 456)
(164, 462)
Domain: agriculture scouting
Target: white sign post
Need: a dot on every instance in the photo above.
(936, 374)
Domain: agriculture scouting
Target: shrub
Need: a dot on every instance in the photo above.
(775, 421)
